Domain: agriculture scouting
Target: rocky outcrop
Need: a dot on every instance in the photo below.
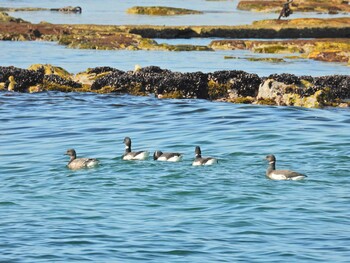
(5, 18)
(16, 79)
(304, 91)
(66, 9)
(320, 6)
(140, 36)
(331, 50)
(161, 11)
(229, 85)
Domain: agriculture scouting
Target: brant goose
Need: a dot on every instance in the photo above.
(79, 163)
(199, 160)
(129, 155)
(274, 174)
(167, 157)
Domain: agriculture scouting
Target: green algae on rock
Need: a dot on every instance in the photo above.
(332, 50)
(272, 60)
(22, 9)
(161, 11)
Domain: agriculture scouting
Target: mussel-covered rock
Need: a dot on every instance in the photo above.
(99, 70)
(285, 78)
(236, 86)
(111, 79)
(55, 79)
(21, 80)
(156, 80)
(338, 86)
(183, 85)
(237, 83)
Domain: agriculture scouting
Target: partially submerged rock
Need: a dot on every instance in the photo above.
(304, 91)
(161, 11)
(332, 50)
(17, 79)
(66, 9)
(34, 80)
(4, 17)
(234, 86)
(321, 6)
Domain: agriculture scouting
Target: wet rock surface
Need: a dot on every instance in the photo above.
(233, 86)
(305, 91)
(161, 11)
(331, 50)
(322, 6)
(22, 79)
(136, 37)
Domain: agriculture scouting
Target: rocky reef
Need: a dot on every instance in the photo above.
(66, 9)
(321, 6)
(331, 50)
(161, 11)
(5, 18)
(231, 86)
(140, 37)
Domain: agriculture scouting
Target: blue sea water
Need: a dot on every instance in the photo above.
(147, 211)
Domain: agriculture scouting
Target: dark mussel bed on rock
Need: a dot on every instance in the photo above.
(234, 86)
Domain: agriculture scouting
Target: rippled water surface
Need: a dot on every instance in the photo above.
(147, 211)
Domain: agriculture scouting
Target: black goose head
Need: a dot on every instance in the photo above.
(198, 151)
(157, 154)
(127, 141)
(71, 153)
(270, 158)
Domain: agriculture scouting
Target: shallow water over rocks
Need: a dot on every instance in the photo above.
(114, 13)
(24, 54)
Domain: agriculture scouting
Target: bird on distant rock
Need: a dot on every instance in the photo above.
(12, 84)
(137, 68)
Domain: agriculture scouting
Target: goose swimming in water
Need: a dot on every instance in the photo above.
(129, 155)
(167, 157)
(274, 174)
(79, 163)
(199, 160)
